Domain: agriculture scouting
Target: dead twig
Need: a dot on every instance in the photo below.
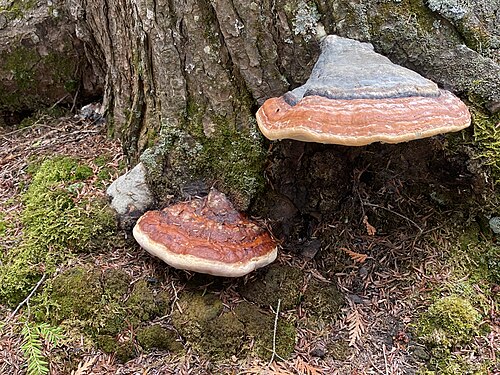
(274, 354)
(395, 213)
(26, 300)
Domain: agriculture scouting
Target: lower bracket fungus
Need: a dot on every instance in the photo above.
(356, 96)
(206, 235)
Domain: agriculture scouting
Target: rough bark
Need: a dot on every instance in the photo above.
(183, 78)
(42, 62)
(168, 53)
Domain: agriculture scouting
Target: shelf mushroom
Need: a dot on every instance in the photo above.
(356, 96)
(206, 235)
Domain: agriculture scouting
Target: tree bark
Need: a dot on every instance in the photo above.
(183, 78)
(42, 62)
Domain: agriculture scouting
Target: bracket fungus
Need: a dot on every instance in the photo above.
(206, 235)
(356, 96)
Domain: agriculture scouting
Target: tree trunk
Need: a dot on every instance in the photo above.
(42, 62)
(183, 79)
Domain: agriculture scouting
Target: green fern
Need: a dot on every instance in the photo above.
(34, 336)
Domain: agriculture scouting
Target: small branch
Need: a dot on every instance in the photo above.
(75, 97)
(26, 300)
(58, 102)
(274, 332)
(385, 360)
(395, 213)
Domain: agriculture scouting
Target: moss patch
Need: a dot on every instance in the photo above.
(279, 283)
(230, 157)
(476, 256)
(456, 365)
(96, 303)
(56, 224)
(221, 334)
(487, 139)
(197, 310)
(323, 300)
(259, 327)
(37, 80)
(123, 351)
(157, 337)
(448, 322)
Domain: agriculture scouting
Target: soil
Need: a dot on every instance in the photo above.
(369, 238)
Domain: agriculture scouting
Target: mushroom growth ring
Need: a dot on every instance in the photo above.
(206, 235)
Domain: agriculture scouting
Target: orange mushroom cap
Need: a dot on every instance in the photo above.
(206, 235)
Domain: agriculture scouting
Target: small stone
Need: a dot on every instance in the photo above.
(495, 224)
(318, 352)
(130, 196)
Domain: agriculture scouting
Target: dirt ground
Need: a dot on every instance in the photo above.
(383, 224)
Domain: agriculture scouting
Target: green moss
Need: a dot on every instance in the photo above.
(487, 139)
(17, 8)
(53, 217)
(476, 257)
(259, 327)
(323, 300)
(142, 303)
(339, 350)
(455, 365)
(280, 283)
(3, 224)
(37, 80)
(416, 15)
(157, 337)
(236, 158)
(223, 337)
(231, 156)
(196, 310)
(448, 322)
(21, 62)
(123, 351)
(95, 303)
(115, 283)
(55, 224)
(75, 293)
(493, 261)
(78, 298)
(220, 334)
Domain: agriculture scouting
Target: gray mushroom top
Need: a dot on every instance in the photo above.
(349, 69)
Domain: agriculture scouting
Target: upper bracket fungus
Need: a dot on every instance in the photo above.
(356, 96)
(206, 235)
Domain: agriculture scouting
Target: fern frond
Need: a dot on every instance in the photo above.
(32, 350)
(32, 345)
(53, 335)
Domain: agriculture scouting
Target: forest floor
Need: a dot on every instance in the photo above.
(392, 283)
